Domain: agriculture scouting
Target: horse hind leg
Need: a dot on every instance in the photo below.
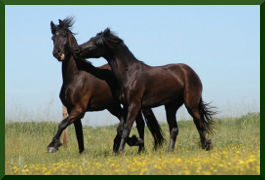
(201, 125)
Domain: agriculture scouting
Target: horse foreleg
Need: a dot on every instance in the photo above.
(75, 115)
(117, 111)
(55, 143)
(140, 128)
(133, 110)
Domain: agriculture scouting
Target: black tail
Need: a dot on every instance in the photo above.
(153, 126)
(206, 114)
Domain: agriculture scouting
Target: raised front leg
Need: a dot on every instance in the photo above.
(75, 115)
(55, 143)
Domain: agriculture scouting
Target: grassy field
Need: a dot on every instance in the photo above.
(236, 150)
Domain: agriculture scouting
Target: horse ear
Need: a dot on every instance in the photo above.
(53, 27)
(61, 22)
(106, 32)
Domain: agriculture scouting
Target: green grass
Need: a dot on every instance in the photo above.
(236, 150)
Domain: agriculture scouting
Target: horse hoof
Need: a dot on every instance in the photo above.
(81, 151)
(119, 153)
(132, 141)
(52, 150)
(208, 145)
(141, 150)
(170, 150)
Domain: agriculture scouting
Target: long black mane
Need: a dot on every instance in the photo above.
(107, 36)
(65, 25)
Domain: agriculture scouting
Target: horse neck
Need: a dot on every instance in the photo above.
(69, 68)
(104, 72)
(121, 62)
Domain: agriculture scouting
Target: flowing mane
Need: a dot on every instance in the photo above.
(108, 37)
(65, 24)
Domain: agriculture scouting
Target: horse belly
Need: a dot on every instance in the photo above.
(99, 102)
(158, 98)
(162, 86)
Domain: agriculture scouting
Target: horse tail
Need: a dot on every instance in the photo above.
(153, 126)
(207, 113)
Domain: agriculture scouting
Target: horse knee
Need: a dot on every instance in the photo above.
(63, 124)
(75, 115)
(120, 129)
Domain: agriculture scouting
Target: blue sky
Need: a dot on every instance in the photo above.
(221, 43)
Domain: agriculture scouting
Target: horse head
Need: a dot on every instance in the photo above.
(63, 40)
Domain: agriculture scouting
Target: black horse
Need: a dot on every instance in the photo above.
(144, 86)
(81, 91)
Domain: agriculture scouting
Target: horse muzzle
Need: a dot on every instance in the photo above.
(59, 56)
(62, 57)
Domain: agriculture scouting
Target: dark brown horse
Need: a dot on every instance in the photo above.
(81, 91)
(145, 86)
